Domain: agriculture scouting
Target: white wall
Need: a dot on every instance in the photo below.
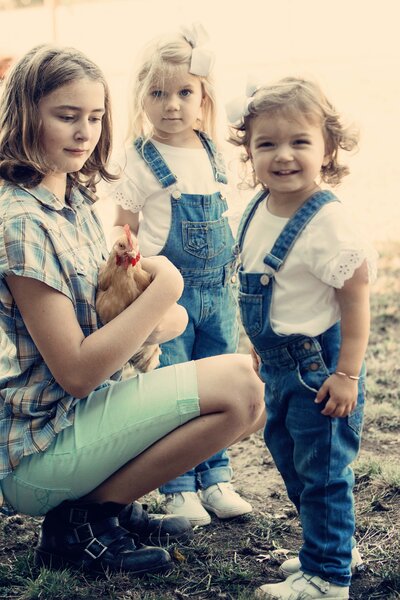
(351, 46)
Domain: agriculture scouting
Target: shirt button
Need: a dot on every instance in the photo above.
(264, 279)
(307, 345)
(314, 366)
(176, 194)
(233, 279)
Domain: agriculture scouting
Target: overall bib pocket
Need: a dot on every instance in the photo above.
(204, 239)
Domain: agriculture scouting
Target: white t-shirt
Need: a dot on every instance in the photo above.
(324, 256)
(139, 191)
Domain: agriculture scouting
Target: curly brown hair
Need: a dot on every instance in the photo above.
(41, 71)
(292, 95)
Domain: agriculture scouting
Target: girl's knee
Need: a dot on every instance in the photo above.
(229, 383)
(247, 386)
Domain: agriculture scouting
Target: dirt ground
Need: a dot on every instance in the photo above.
(251, 548)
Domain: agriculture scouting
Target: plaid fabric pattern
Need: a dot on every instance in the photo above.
(61, 245)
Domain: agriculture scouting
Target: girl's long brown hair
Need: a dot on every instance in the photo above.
(40, 72)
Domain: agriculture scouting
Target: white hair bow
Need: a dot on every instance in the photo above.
(202, 59)
(238, 108)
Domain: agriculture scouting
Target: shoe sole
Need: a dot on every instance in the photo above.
(194, 521)
(57, 562)
(200, 522)
(261, 595)
(354, 568)
(226, 514)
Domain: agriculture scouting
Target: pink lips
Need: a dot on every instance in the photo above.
(282, 173)
(77, 151)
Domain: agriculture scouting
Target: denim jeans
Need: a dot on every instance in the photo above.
(212, 330)
(214, 470)
(313, 452)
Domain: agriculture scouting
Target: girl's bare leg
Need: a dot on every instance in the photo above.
(232, 406)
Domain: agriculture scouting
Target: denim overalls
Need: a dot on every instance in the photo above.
(200, 245)
(312, 451)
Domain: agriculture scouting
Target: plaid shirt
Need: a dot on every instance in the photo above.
(61, 245)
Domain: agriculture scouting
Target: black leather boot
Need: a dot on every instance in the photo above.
(156, 530)
(89, 537)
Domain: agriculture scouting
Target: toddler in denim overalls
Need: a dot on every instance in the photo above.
(303, 298)
(175, 177)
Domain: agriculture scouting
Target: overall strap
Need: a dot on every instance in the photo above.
(152, 157)
(215, 157)
(295, 226)
(246, 218)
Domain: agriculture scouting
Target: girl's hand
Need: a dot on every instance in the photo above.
(172, 324)
(342, 395)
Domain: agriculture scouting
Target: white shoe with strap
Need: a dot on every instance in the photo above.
(292, 565)
(301, 586)
(222, 500)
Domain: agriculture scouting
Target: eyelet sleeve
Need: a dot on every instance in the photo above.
(336, 248)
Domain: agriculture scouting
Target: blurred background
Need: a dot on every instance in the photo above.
(350, 46)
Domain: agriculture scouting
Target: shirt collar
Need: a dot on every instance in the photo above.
(77, 194)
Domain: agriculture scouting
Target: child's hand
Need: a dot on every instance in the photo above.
(342, 395)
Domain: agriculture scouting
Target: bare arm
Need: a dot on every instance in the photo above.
(353, 300)
(80, 363)
(123, 217)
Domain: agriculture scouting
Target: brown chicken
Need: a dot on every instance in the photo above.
(121, 280)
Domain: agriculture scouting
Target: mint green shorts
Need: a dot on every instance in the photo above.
(111, 426)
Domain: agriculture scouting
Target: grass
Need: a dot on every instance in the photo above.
(228, 560)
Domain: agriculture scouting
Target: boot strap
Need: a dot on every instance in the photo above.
(89, 534)
(320, 584)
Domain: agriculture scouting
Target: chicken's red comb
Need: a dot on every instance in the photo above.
(127, 230)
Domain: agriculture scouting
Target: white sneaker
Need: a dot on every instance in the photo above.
(301, 586)
(292, 565)
(187, 504)
(222, 500)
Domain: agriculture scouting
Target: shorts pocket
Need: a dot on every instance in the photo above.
(30, 499)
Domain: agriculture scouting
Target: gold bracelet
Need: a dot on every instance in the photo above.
(354, 377)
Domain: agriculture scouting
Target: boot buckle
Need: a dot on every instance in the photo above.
(78, 516)
(95, 548)
(83, 533)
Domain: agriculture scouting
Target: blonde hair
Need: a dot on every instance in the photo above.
(291, 96)
(40, 72)
(158, 63)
